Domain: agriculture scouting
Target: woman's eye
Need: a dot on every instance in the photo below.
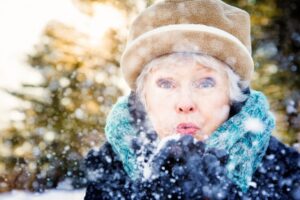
(206, 83)
(164, 83)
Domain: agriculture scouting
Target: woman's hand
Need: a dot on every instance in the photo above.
(185, 169)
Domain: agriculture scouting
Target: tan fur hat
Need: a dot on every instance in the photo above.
(209, 27)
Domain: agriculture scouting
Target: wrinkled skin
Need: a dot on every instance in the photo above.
(180, 90)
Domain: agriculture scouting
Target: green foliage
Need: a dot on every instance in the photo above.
(68, 119)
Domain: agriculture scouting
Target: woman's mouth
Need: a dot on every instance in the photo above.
(187, 128)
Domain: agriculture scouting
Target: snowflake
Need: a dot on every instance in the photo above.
(254, 125)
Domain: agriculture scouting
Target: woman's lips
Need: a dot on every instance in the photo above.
(187, 128)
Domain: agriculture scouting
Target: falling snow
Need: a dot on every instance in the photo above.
(184, 169)
(254, 125)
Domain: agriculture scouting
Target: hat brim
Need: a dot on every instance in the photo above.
(194, 38)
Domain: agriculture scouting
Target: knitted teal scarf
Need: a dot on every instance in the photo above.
(245, 136)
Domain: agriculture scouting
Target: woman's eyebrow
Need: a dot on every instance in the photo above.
(205, 71)
(164, 77)
(205, 68)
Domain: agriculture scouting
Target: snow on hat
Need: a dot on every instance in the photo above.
(209, 27)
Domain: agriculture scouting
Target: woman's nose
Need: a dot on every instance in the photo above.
(186, 108)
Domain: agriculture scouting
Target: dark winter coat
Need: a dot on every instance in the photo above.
(277, 177)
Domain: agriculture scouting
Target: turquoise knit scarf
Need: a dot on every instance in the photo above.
(245, 136)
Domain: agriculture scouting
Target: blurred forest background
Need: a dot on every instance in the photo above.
(81, 83)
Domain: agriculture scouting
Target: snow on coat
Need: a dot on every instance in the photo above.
(187, 170)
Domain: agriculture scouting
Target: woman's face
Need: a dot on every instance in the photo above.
(184, 97)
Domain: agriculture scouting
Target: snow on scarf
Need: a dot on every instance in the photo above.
(245, 136)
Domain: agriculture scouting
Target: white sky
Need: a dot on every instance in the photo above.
(21, 25)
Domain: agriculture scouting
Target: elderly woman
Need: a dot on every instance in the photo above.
(191, 128)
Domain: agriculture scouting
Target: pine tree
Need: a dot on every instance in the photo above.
(68, 117)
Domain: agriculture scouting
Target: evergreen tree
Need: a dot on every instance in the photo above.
(60, 125)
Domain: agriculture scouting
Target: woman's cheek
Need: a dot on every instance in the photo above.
(163, 124)
(223, 112)
(217, 117)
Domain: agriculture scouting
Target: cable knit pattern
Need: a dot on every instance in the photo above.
(245, 136)
(119, 131)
